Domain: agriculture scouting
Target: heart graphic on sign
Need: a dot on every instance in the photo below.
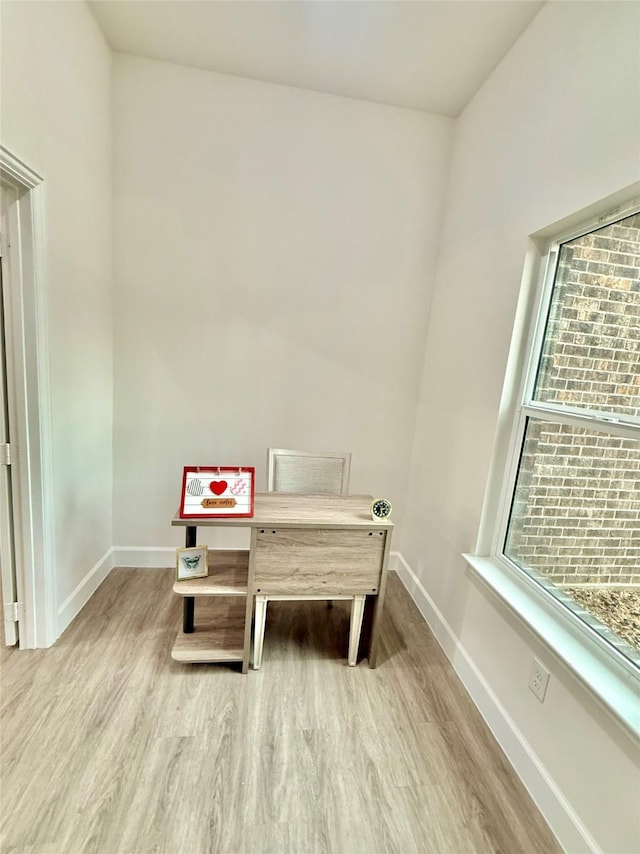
(218, 486)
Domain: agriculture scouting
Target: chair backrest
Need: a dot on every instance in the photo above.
(307, 471)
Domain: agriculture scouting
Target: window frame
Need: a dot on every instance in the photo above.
(612, 677)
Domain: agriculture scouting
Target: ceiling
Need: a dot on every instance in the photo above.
(428, 55)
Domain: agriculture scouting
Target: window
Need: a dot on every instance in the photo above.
(571, 514)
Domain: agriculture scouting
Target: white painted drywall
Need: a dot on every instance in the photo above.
(274, 255)
(56, 116)
(274, 261)
(555, 128)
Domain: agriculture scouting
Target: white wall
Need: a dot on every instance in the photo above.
(274, 257)
(56, 116)
(555, 128)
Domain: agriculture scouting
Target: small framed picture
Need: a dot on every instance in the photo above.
(191, 563)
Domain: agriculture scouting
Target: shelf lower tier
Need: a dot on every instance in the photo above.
(218, 635)
(228, 575)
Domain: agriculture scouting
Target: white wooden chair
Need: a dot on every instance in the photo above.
(312, 473)
(308, 472)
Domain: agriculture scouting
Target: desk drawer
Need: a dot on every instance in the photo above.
(302, 561)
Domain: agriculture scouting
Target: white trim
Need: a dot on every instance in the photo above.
(17, 170)
(144, 557)
(627, 426)
(616, 206)
(611, 680)
(526, 342)
(554, 806)
(76, 601)
(35, 539)
(506, 434)
(7, 494)
(516, 407)
(543, 296)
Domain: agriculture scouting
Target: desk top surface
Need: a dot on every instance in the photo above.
(299, 511)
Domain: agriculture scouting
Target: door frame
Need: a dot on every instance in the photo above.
(30, 406)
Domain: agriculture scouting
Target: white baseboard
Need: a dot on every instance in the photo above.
(144, 557)
(560, 816)
(76, 601)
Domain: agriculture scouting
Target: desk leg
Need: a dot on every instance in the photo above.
(188, 607)
(375, 629)
(378, 604)
(260, 620)
(188, 610)
(357, 611)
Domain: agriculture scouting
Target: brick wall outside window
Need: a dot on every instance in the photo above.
(576, 511)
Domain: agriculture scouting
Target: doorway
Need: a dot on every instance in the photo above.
(8, 581)
(27, 540)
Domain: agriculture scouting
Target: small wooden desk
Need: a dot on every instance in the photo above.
(311, 545)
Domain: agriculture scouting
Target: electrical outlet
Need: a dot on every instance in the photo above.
(538, 680)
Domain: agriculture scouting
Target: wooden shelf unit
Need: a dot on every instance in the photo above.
(317, 546)
(217, 637)
(219, 632)
(228, 576)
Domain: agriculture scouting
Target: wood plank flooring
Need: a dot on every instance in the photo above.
(110, 746)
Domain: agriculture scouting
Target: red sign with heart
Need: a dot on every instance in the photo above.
(210, 492)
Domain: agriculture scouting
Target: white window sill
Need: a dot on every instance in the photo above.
(612, 682)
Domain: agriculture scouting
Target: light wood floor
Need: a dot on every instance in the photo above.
(109, 746)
